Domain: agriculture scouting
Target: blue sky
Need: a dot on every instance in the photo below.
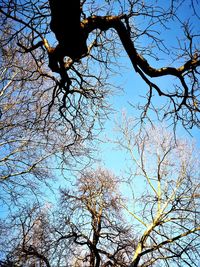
(134, 89)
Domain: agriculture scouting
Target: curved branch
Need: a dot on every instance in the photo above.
(171, 240)
(31, 251)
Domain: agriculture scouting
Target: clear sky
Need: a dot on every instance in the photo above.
(134, 89)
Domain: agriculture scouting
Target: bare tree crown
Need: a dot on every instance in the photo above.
(93, 36)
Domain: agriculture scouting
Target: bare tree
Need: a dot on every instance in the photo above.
(54, 84)
(95, 221)
(164, 177)
(77, 110)
(32, 144)
(86, 45)
(26, 239)
(93, 225)
(86, 229)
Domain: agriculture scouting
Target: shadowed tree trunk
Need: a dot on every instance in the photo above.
(65, 23)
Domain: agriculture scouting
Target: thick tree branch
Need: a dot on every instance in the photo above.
(31, 251)
(140, 64)
(162, 244)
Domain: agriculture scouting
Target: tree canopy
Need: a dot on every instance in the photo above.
(57, 61)
(154, 222)
(75, 53)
